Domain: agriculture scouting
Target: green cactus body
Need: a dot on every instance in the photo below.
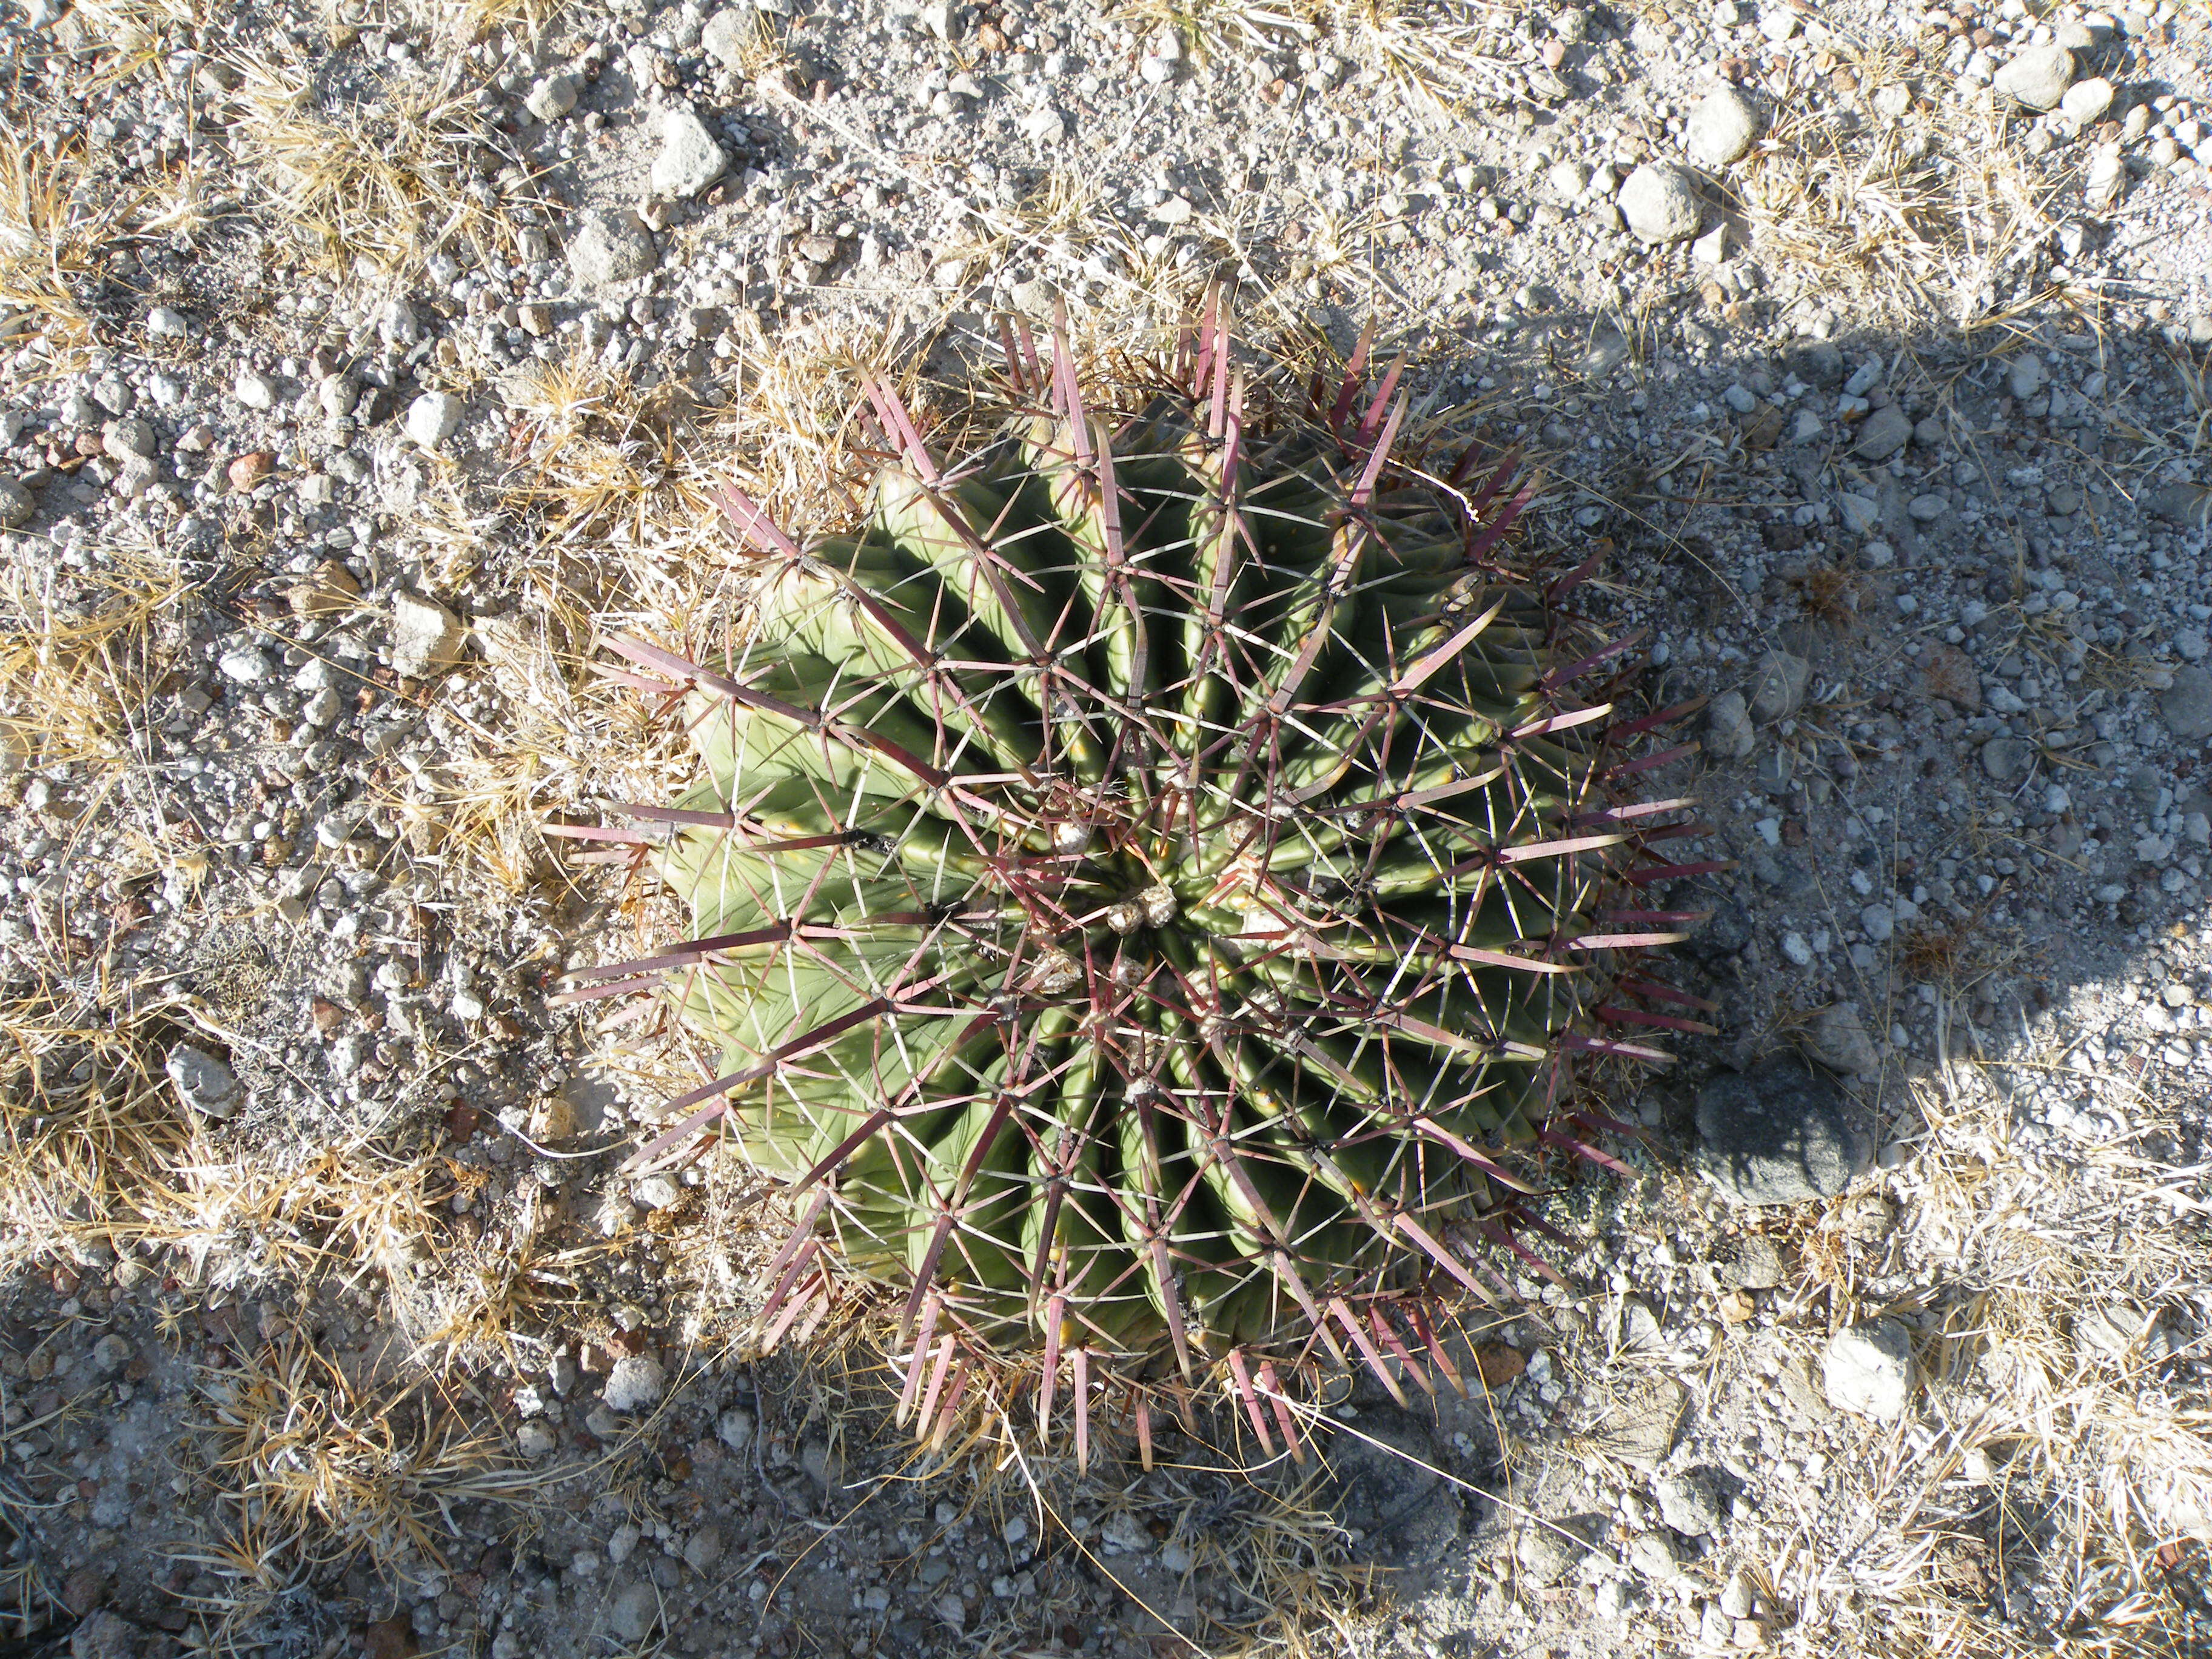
(1147, 878)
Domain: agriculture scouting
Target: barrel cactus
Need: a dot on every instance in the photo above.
(1147, 885)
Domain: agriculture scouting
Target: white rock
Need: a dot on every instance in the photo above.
(690, 159)
(729, 37)
(636, 1384)
(534, 1440)
(246, 663)
(735, 1429)
(942, 18)
(610, 247)
(1721, 129)
(202, 1082)
(1867, 1370)
(2026, 376)
(164, 324)
(426, 638)
(553, 97)
(2036, 79)
(128, 436)
(254, 390)
(1660, 203)
(433, 417)
(2086, 101)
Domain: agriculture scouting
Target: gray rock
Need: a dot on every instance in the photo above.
(2086, 101)
(426, 638)
(690, 159)
(1777, 687)
(202, 1082)
(1861, 514)
(104, 1635)
(735, 1429)
(2036, 79)
(1660, 203)
(1730, 734)
(1779, 1133)
(1691, 1503)
(433, 417)
(17, 505)
(2185, 706)
(1654, 1555)
(2186, 504)
(632, 1612)
(553, 97)
(534, 1440)
(1752, 1263)
(2003, 758)
(1838, 1039)
(129, 436)
(635, 1383)
(1867, 1370)
(729, 36)
(1548, 1551)
(1885, 432)
(1391, 1491)
(610, 247)
(2025, 376)
(703, 1548)
(1721, 129)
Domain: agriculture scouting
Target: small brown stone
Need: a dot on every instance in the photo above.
(328, 592)
(1949, 673)
(327, 1015)
(389, 1638)
(1498, 1364)
(84, 1590)
(250, 470)
(1737, 1307)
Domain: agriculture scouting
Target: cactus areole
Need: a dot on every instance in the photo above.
(1147, 885)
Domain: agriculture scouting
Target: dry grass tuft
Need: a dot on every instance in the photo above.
(312, 1467)
(92, 1134)
(1437, 54)
(1929, 213)
(53, 223)
(385, 183)
(77, 677)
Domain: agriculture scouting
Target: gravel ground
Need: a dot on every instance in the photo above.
(358, 366)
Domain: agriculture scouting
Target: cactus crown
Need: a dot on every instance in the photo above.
(1145, 884)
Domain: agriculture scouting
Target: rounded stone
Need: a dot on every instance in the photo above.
(2086, 101)
(1867, 1369)
(1721, 129)
(1661, 203)
(611, 247)
(636, 1384)
(1781, 1133)
(2037, 79)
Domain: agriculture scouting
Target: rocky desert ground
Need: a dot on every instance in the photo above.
(362, 367)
